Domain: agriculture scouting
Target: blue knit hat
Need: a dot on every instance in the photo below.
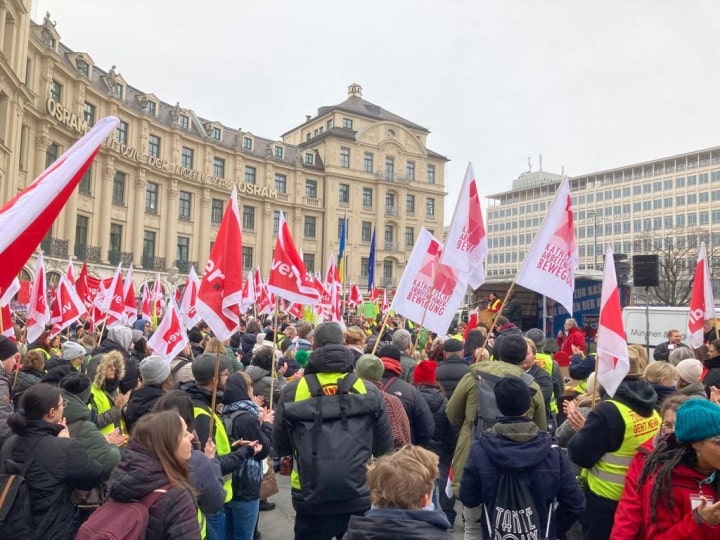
(697, 420)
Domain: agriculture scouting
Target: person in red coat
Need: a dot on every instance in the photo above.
(679, 485)
(572, 335)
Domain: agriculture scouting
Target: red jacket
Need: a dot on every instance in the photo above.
(576, 337)
(678, 523)
(629, 521)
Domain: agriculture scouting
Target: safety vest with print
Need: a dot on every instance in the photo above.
(607, 477)
(329, 383)
(104, 404)
(547, 365)
(222, 443)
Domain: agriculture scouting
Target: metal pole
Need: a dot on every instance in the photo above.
(595, 240)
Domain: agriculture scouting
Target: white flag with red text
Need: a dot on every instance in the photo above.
(67, 308)
(188, 311)
(549, 266)
(26, 218)
(466, 244)
(115, 301)
(429, 292)
(145, 309)
(613, 363)
(702, 303)
(131, 310)
(38, 308)
(170, 337)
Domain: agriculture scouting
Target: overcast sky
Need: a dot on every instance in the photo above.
(591, 84)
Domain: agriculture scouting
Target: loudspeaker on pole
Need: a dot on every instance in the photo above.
(646, 271)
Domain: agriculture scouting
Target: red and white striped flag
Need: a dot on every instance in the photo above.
(115, 301)
(38, 309)
(702, 303)
(188, 311)
(26, 218)
(248, 293)
(613, 362)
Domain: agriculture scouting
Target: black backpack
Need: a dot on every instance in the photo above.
(16, 518)
(332, 439)
(487, 413)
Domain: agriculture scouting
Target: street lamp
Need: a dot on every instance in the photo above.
(593, 213)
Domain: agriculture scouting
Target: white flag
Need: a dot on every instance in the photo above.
(188, 312)
(38, 309)
(170, 338)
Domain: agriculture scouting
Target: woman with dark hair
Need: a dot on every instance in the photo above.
(156, 458)
(712, 366)
(54, 463)
(475, 339)
(262, 377)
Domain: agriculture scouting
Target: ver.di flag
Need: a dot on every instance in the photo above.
(170, 337)
(613, 363)
(67, 308)
(549, 266)
(702, 303)
(38, 308)
(26, 218)
(429, 292)
(466, 244)
(188, 311)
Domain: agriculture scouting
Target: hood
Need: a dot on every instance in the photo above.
(114, 357)
(138, 473)
(256, 373)
(391, 365)
(76, 408)
(639, 395)
(433, 517)
(516, 443)
(236, 389)
(330, 359)
(121, 335)
(140, 324)
(144, 399)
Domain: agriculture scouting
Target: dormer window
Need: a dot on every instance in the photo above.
(279, 152)
(151, 108)
(247, 143)
(184, 121)
(82, 66)
(309, 159)
(216, 133)
(347, 123)
(118, 90)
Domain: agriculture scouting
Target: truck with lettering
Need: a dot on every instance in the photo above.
(659, 319)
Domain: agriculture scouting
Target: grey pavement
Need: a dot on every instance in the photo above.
(278, 524)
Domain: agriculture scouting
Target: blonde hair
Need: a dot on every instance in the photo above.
(214, 346)
(481, 354)
(401, 479)
(638, 361)
(531, 345)
(659, 371)
(355, 336)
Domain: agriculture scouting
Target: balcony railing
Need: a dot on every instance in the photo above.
(153, 263)
(315, 203)
(183, 266)
(392, 211)
(54, 247)
(391, 246)
(394, 178)
(80, 252)
(388, 281)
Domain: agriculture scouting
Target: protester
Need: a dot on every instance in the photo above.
(119, 338)
(9, 358)
(571, 336)
(662, 376)
(474, 341)
(156, 379)
(452, 368)
(54, 463)
(512, 309)
(689, 374)
(263, 378)
(403, 341)
(355, 341)
(31, 372)
(107, 400)
(73, 354)
(180, 366)
(711, 372)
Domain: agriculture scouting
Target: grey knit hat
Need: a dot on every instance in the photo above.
(154, 370)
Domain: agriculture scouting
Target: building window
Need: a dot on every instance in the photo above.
(185, 199)
(248, 221)
(56, 91)
(151, 197)
(247, 143)
(154, 146)
(250, 175)
(366, 232)
(86, 181)
(309, 229)
(329, 124)
(247, 257)
(183, 253)
(310, 188)
(367, 197)
(281, 183)
(121, 133)
(411, 170)
(389, 233)
(431, 174)
(219, 167)
(51, 154)
(364, 266)
(390, 203)
(309, 261)
(89, 113)
(345, 157)
(148, 248)
(368, 162)
(81, 231)
(389, 167)
(118, 193)
(151, 108)
(410, 205)
(216, 133)
(188, 157)
(344, 194)
(279, 152)
(118, 90)
(388, 271)
(309, 158)
(430, 207)
(216, 211)
(409, 236)
(276, 221)
(347, 123)
(184, 122)
(115, 238)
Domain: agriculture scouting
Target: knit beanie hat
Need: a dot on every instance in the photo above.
(369, 367)
(154, 370)
(302, 357)
(8, 347)
(452, 345)
(78, 384)
(389, 351)
(690, 370)
(512, 396)
(203, 367)
(424, 373)
(72, 350)
(511, 349)
(697, 420)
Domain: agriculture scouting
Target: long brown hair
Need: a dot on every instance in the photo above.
(160, 432)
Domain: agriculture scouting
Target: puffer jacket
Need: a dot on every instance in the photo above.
(444, 435)
(60, 465)
(141, 402)
(174, 514)
(26, 377)
(383, 523)
(261, 383)
(449, 372)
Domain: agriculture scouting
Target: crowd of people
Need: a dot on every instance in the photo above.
(386, 431)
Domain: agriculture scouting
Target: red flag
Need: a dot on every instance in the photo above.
(6, 325)
(11, 291)
(355, 298)
(115, 301)
(38, 309)
(385, 305)
(248, 293)
(27, 217)
(296, 310)
(145, 309)
(702, 303)
(157, 299)
(472, 322)
(612, 353)
(130, 297)
(68, 306)
(220, 293)
(170, 338)
(188, 310)
(70, 272)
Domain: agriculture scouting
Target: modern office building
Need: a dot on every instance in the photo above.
(158, 188)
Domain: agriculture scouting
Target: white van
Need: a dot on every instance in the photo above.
(661, 318)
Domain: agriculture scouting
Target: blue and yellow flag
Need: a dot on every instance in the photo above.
(341, 255)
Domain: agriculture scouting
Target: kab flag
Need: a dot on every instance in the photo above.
(170, 338)
(702, 303)
(188, 310)
(429, 292)
(288, 277)
(466, 245)
(27, 217)
(68, 306)
(38, 308)
(220, 292)
(612, 353)
(549, 266)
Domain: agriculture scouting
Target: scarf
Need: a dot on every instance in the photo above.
(243, 405)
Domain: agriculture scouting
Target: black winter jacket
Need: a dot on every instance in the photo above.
(246, 481)
(449, 372)
(445, 435)
(712, 378)
(383, 523)
(174, 514)
(422, 425)
(581, 366)
(141, 402)
(60, 465)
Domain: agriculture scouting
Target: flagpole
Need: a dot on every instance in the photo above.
(272, 369)
(495, 316)
(380, 333)
(213, 400)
